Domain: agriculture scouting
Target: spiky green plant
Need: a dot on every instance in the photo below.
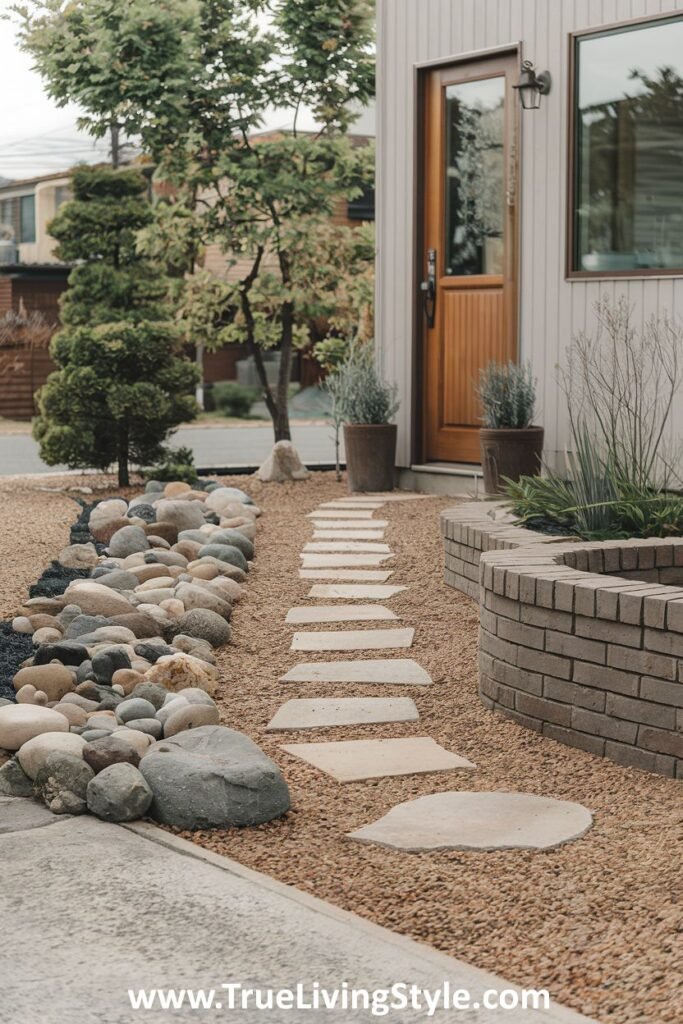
(508, 395)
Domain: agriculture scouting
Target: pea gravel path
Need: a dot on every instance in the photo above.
(597, 922)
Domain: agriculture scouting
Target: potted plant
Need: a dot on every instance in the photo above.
(365, 405)
(511, 446)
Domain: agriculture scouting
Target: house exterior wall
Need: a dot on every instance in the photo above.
(552, 309)
(48, 195)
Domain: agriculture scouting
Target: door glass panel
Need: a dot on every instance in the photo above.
(475, 177)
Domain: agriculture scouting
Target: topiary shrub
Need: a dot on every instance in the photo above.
(233, 399)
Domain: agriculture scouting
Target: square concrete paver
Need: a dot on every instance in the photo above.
(326, 712)
(354, 591)
(341, 561)
(350, 513)
(357, 575)
(350, 546)
(350, 524)
(339, 613)
(356, 760)
(382, 671)
(348, 535)
(353, 640)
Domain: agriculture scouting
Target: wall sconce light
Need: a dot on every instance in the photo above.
(532, 85)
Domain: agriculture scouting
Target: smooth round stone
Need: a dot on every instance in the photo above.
(139, 623)
(188, 548)
(108, 750)
(68, 652)
(194, 596)
(158, 542)
(22, 624)
(153, 651)
(79, 556)
(33, 754)
(55, 679)
(196, 696)
(175, 488)
(47, 635)
(102, 721)
(82, 700)
(68, 614)
(94, 734)
(117, 579)
(20, 723)
(139, 741)
(157, 583)
(82, 624)
(198, 649)
(165, 558)
(225, 553)
(191, 717)
(127, 679)
(150, 726)
(26, 694)
(167, 531)
(223, 496)
(206, 625)
(204, 571)
(235, 539)
(106, 663)
(111, 636)
(174, 705)
(154, 486)
(233, 572)
(223, 587)
(156, 695)
(111, 508)
(143, 511)
(134, 707)
(127, 541)
(103, 532)
(73, 714)
(62, 782)
(95, 599)
(40, 698)
(184, 515)
(119, 793)
(173, 607)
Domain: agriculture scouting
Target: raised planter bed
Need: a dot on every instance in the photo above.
(582, 642)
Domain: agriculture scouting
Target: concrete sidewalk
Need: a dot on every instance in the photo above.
(92, 910)
(213, 447)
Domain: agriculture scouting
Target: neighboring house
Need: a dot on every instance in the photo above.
(518, 220)
(27, 207)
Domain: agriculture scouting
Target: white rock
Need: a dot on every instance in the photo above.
(282, 464)
(20, 723)
(33, 753)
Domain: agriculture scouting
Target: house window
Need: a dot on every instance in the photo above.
(27, 218)
(628, 152)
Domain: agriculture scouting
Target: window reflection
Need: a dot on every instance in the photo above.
(475, 145)
(629, 172)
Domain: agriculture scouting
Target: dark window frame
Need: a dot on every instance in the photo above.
(20, 219)
(571, 274)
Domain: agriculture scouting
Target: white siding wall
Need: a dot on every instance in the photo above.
(552, 309)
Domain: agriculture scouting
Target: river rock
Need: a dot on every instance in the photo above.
(143, 510)
(47, 635)
(73, 714)
(139, 741)
(119, 793)
(22, 624)
(153, 651)
(108, 750)
(20, 723)
(127, 679)
(83, 624)
(204, 624)
(127, 541)
(104, 531)
(225, 553)
(222, 496)
(156, 695)
(213, 777)
(166, 558)
(79, 556)
(236, 540)
(134, 707)
(150, 726)
(117, 579)
(110, 635)
(95, 599)
(105, 663)
(33, 754)
(55, 680)
(61, 783)
(180, 671)
(139, 623)
(167, 531)
(193, 596)
(68, 652)
(184, 515)
(192, 716)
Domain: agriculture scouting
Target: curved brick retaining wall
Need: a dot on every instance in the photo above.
(582, 642)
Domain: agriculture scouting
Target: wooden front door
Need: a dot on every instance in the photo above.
(470, 240)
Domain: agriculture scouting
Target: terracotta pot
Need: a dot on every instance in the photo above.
(510, 453)
(370, 456)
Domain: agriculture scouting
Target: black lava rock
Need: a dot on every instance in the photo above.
(152, 652)
(56, 579)
(14, 649)
(67, 651)
(105, 663)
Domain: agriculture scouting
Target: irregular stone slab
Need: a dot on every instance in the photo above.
(346, 503)
(340, 613)
(356, 760)
(348, 534)
(20, 815)
(349, 545)
(390, 672)
(350, 513)
(213, 777)
(282, 464)
(333, 561)
(350, 524)
(353, 640)
(478, 821)
(375, 575)
(336, 711)
(351, 591)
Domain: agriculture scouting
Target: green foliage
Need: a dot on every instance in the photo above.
(175, 464)
(233, 399)
(358, 393)
(195, 81)
(121, 385)
(507, 395)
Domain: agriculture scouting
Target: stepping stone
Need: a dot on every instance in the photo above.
(326, 712)
(348, 535)
(360, 575)
(478, 821)
(339, 613)
(322, 561)
(350, 524)
(353, 591)
(384, 671)
(356, 760)
(353, 640)
(350, 513)
(345, 503)
(348, 545)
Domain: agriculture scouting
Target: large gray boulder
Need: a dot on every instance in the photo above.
(184, 515)
(204, 624)
(119, 793)
(213, 777)
(225, 553)
(127, 541)
(62, 783)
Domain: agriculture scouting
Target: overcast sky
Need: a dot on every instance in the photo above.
(36, 136)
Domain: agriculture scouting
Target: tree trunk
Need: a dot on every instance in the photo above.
(115, 145)
(281, 421)
(124, 476)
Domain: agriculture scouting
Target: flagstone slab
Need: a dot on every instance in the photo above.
(339, 613)
(341, 561)
(357, 760)
(348, 545)
(478, 821)
(326, 712)
(352, 503)
(353, 640)
(350, 513)
(382, 671)
(350, 524)
(354, 591)
(348, 535)
(358, 575)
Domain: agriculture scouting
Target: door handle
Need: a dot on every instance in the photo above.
(428, 289)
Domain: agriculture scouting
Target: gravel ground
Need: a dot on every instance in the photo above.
(597, 922)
